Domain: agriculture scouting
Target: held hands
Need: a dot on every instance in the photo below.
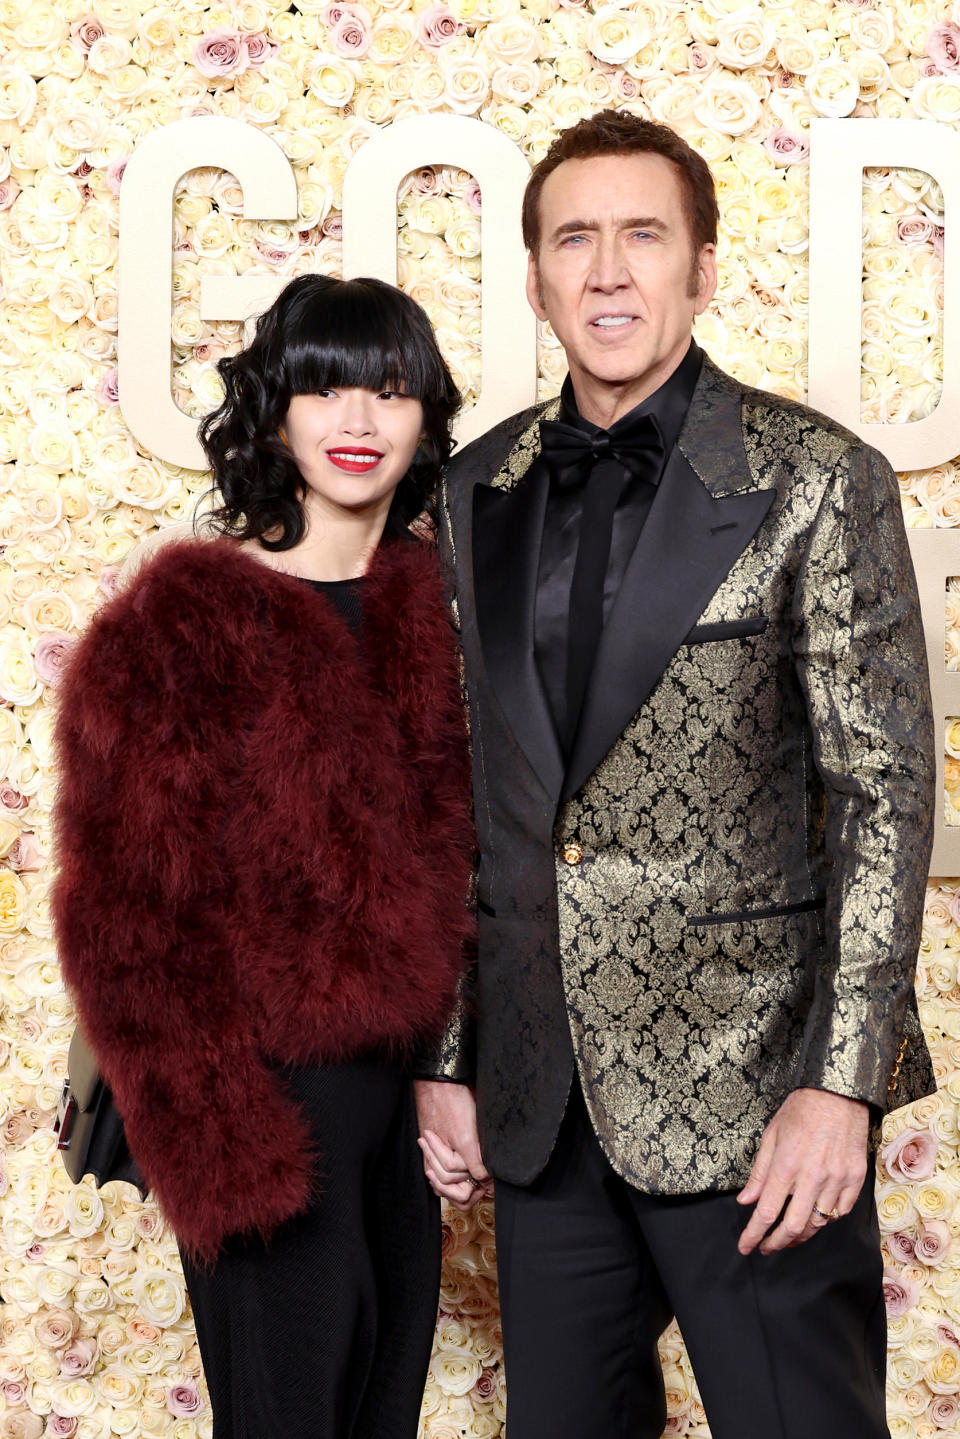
(447, 1115)
(815, 1150)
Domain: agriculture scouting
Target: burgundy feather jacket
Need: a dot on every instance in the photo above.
(264, 846)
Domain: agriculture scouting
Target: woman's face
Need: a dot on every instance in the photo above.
(353, 446)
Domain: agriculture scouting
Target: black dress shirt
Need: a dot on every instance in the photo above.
(561, 533)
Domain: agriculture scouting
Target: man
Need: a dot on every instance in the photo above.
(703, 761)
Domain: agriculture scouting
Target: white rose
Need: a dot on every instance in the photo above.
(466, 83)
(744, 39)
(833, 88)
(796, 54)
(332, 80)
(616, 35)
(18, 94)
(937, 97)
(727, 104)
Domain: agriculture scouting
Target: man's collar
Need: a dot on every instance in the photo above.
(668, 404)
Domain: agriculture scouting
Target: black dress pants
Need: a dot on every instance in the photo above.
(784, 1346)
(325, 1332)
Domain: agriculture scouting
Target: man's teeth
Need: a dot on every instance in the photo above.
(606, 321)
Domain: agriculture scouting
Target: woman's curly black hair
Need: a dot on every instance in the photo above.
(322, 333)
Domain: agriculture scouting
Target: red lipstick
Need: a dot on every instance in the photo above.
(354, 459)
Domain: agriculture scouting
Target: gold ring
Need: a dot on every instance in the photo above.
(826, 1213)
(475, 1183)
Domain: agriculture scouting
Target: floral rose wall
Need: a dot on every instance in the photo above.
(95, 1334)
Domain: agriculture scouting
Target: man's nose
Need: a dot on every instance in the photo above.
(609, 267)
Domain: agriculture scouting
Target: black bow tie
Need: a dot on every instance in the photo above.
(571, 453)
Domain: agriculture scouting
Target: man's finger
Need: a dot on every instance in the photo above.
(769, 1204)
(761, 1168)
(795, 1224)
(447, 1172)
(449, 1158)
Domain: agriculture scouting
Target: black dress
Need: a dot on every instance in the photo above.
(325, 1332)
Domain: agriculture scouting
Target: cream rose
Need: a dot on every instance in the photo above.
(615, 35)
(744, 39)
(728, 104)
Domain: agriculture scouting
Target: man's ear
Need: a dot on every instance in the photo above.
(706, 277)
(534, 295)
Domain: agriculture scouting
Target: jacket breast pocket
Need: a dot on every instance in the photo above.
(727, 630)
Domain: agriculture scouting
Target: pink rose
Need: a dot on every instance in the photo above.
(86, 31)
(901, 1246)
(13, 1392)
(259, 47)
(332, 227)
(9, 190)
(915, 230)
(22, 1426)
(943, 47)
(334, 14)
(272, 257)
(11, 799)
(486, 1386)
(928, 67)
(51, 654)
(61, 1425)
(933, 1241)
(107, 391)
(56, 1329)
(114, 175)
(786, 147)
(79, 1359)
(472, 197)
(183, 1400)
(350, 37)
(944, 1410)
(948, 1335)
(17, 1129)
(912, 1155)
(626, 86)
(107, 580)
(221, 52)
(36, 1251)
(899, 1293)
(437, 26)
(25, 855)
(938, 250)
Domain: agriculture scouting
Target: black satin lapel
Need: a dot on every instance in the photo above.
(507, 526)
(686, 548)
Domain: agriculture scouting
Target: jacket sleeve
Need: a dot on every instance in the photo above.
(453, 1056)
(142, 912)
(861, 659)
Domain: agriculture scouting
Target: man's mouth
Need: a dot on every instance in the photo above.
(355, 462)
(612, 322)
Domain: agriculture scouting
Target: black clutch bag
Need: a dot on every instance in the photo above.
(91, 1138)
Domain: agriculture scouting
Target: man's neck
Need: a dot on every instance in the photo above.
(604, 402)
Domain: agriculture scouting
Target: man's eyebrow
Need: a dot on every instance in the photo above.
(577, 227)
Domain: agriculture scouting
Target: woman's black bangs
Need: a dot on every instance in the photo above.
(354, 337)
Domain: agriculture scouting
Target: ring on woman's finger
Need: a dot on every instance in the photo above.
(827, 1214)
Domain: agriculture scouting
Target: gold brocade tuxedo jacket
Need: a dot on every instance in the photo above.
(718, 898)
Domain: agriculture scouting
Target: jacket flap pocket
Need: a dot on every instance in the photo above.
(727, 630)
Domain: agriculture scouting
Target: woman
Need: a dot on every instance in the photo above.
(265, 846)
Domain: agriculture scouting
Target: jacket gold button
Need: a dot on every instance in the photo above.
(572, 852)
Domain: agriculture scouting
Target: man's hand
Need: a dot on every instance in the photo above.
(815, 1149)
(447, 1115)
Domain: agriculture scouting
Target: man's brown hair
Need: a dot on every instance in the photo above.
(617, 132)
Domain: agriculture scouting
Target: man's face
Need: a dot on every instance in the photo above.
(617, 277)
